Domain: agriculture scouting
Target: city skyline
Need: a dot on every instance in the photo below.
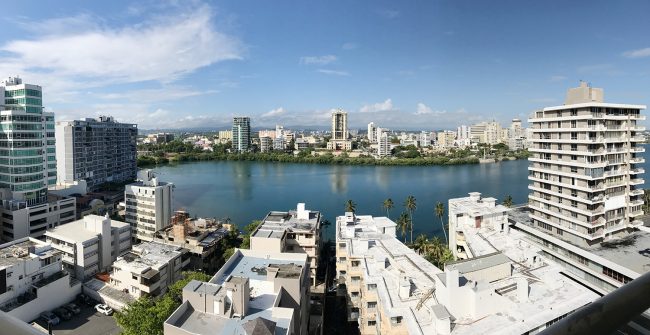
(414, 66)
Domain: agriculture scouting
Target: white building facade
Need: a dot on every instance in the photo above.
(148, 205)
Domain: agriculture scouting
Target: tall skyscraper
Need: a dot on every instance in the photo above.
(241, 134)
(27, 142)
(585, 169)
(28, 164)
(372, 132)
(96, 150)
(339, 140)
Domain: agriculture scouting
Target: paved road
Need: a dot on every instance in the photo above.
(88, 322)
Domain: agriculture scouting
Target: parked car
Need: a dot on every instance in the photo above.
(84, 299)
(73, 308)
(104, 309)
(49, 317)
(63, 313)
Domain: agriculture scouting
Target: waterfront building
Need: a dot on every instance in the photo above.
(241, 134)
(253, 293)
(372, 133)
(390, 289)
(266, 133)
(199, 236)
(585, 172)
(486, 132)
(148, 269)
(90, 245)
(148, 205)
(266, 144)
(96, 150)
(463, 132)
(158, 138)
(425, 139)
(32, 280)
(383, 143)
(340, 135)
(446, 139)
(293, 231)
(476, 212)
(225, 135)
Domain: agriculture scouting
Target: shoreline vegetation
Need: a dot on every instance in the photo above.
(177, 151)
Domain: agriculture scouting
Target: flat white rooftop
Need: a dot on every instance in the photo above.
(147, 255)
(276, 223)
(594, 104)
(474, 205)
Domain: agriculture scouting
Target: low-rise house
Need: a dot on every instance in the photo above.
(253, 293)
(90, 245)
(32, 280)
(148, 269)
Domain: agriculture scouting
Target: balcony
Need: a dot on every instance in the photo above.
(636, 181)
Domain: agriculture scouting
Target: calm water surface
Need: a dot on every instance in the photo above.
(246, 191)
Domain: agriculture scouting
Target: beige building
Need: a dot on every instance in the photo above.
(585, 168)
(295, 231)
(340, 135)
(149, 269)
(253, 293)
(148, 205)
(446, 139)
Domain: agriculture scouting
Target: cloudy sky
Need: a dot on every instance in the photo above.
(402, 64)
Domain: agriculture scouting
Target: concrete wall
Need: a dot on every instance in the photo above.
(50, 297)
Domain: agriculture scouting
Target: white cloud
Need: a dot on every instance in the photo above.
(317, 60)
(162, 49)
(334, 72)
(387, 105)
(274, 112)
(423, 109)
(639, 53)
(166, 93)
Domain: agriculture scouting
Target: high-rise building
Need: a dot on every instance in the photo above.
(148, 205)
(28, 159)
(96, 150)
(383, 143)
(446, 138)
(27, 141)
(241, 134)
(463, 132)
(486, 132)
(340, 134)
(372, 132)
(266, 144)
(585, 169)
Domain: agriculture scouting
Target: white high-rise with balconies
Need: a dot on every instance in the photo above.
(585, 172)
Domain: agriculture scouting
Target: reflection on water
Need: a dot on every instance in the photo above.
(241, 173)
(339, 180)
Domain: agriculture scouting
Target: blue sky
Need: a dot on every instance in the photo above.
(408, 64)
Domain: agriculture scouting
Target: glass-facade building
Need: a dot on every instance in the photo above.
(27, 144)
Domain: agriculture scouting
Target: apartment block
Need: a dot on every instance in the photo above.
(148, 205)
(390, 289)
(199, 236)
(90, 245)
(20, 220)
(340, 134)
(253, 293)
(372, 132)
(148, 269)
(295, 231)
(96, 150)
(473, 211)
(266, 144)
(241, 134)
(446, 139)
(31, 279)
(585, 169)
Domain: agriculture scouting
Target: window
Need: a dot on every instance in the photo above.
(372, 304)
(354, 294)
(617, 276)
(372, 323)
(395, 320)
(356, 263)
(356, 279)
(372, 287)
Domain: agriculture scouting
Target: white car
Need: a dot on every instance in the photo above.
(104, 309)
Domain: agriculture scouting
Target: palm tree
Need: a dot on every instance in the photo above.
(646, 201)
(350, 206)
(411, 205)
(421, 244)
(440, 212)
(388, 204)
(507, 201)
(403, 224)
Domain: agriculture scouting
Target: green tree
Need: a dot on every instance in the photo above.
(350, 206)
(388, 205)
(421, 244)
(411, 205)
(403, 223)
(440, 212)
(248, 230)
(507, 201)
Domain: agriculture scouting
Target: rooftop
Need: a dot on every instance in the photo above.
(24, 249)
(146, 256)
(474, 205)
(300, 220)
(77, 232)
(595, 104)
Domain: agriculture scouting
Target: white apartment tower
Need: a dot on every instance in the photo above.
(148, 205)
(241, 134)
(585, 173)
(372, 132)
(340, 134)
